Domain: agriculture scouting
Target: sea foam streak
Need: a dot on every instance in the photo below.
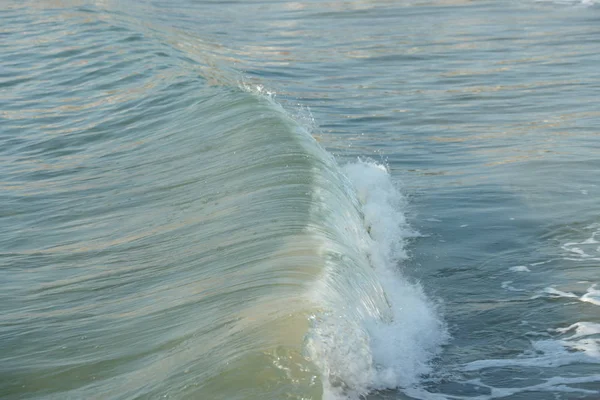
(570, 2)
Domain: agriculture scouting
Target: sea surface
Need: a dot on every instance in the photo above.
(261, 199)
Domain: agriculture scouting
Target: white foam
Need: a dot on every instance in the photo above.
(586, 249)
(373, 329)
(591, 296)
(559, 293)
(541, 262)
(519, 268)
(586, 3)
(582, 329)
(554, 384)
(581, 347)
(403, 347)
(361, 351)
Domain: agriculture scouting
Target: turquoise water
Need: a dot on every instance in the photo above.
(305, 200)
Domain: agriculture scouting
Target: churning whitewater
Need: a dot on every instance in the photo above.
(387, 337)
(373, 328)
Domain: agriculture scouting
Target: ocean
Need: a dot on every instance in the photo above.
(360, 199)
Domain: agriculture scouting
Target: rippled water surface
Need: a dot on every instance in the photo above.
(323, 199)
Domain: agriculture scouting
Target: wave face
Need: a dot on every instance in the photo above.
(175, 233)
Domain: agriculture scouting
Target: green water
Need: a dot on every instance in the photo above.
(184, 214)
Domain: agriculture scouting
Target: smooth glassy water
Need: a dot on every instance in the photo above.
(300, 200)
